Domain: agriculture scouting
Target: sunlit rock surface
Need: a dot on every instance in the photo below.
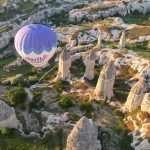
(104, 87)
(136, 95)
(83, 136)
(7, 116)
(146, 103)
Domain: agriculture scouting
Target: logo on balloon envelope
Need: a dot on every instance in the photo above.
(39, 60)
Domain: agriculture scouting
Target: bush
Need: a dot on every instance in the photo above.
(103, 103)
(16, 96)
(61, 85)
(58, 86)
(36, 101)
(65, 102)
(5, 131)
(117, 55)
(87, 106)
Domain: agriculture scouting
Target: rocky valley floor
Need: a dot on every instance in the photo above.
(95, 91)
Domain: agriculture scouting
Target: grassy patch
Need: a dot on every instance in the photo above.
(77, 68)
(110, 44)
(138, 19)
(5, 28)
(113, 129)
(26, 6)
(141, 48)
(24, 70)
(126, 73)
(138, 31)
(97, 71)
(121, 89)
(52, 141)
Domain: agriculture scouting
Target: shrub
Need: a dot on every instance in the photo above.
(58, 86)
(117, 55)
(36, 101)
(61, 85)
(65, 102)
(16, 96)
(87, 106)
(103, 103)
(5, 131)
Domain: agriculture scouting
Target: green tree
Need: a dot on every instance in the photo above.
(87, 106)
(16, 95)
(65, 102)
(5, 131)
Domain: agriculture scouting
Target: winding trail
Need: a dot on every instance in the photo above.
(47, 73)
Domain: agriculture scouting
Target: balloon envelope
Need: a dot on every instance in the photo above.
(36, 44)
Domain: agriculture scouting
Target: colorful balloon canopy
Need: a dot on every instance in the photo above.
(36, 44)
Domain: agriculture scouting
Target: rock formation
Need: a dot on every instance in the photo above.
(146, 103)
(149, 44)
(103, 9)
(3, 2)
(104, 87)
(89, 62)
(13, 80)
(83, 136)
(99, 39)
(72, 41)
(136, 95)
(145, 130)
(7, 116)
(103, 59)
(122, 40)
(64, 65)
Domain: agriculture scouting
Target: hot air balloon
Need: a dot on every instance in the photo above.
(36, 44)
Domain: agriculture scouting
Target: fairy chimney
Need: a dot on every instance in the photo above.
(122, 40)
(104, 87)
(83, 136)
(89, 62)
(64, 65)
(136, 95)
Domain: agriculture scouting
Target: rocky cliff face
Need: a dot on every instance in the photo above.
(83, 136)
(136, 95)
(107, 9)
(104, 87)
(7, 116)
(146, 103)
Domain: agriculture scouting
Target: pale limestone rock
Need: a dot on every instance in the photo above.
(17, 63)
(103, 59)
(122, 40)
(7, 116)
(89, 62)
(72, 41)
(146, 103)
(64, 65)
(83, 136)
(1, 9)
(99, 42)
(104, 87)
(80, 48)
(145, 130)
(144, 72)
(95, 10)
(39, 1)
(3, 2)
(13, 80)
(136, 95)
